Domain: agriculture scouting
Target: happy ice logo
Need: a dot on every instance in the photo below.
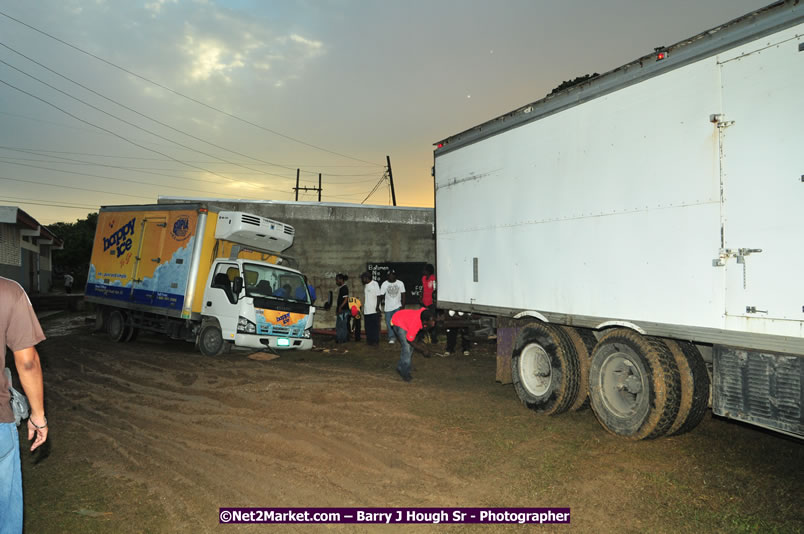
(284, 319)
(121, 239)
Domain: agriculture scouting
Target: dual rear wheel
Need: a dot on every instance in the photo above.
(639, 387)
(120, 326)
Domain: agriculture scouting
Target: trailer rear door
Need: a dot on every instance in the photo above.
(762, 162)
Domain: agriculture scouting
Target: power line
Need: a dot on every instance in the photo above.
(377, 186)
(73, 205)
(70, 187)
(108, 131)
(199, 102)
(2, 160)
(71, 161)
(143, 170)
(47, 204)
(177, 130)
(291, 165)
(65, 93)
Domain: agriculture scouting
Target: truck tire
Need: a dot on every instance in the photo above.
(584, 342)
(544, 369)
(210, 340)
(694, 379)
(131, 331)
(117, 326)
(634, 385)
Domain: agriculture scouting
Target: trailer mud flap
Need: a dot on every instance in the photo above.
(507, 332)
(762, 388)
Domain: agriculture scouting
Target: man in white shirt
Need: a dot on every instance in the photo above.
(371, 310)
(393, 294)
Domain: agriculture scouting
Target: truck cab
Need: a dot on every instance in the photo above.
(257, 305)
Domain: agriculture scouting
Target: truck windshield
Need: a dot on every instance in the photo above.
(269, 282)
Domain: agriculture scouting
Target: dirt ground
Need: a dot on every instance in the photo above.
(151, 436)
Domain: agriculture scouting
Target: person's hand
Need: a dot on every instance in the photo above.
(37, 428)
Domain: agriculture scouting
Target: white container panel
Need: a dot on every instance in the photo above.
(586, 211)
(763, 184)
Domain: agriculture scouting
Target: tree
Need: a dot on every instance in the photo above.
(576, 81)
(78, 238)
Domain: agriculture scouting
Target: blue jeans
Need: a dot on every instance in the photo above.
(10, 480)
(390, 328)
(341, 332)
(407, 352)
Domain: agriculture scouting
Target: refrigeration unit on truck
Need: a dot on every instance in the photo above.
(639, 234)
(193, 272)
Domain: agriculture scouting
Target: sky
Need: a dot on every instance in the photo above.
(109, 102)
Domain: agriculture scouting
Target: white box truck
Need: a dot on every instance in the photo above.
(198, 273)
(641, 231)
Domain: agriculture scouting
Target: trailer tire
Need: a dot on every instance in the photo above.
(634, 385)
(210, 340)
(544, 369)
(694, 379)
(584, 342)
(117, 326)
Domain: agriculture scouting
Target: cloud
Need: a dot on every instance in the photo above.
(209, 57)
(156, 7)
(224, 46)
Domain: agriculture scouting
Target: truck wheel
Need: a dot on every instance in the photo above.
(100, 319)
(131, 330)
(634, 385)
(116, 326)
(584, 342)
(544, 369)
(210, 340)
(694, 380)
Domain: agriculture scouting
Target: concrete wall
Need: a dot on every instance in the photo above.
(332, 238)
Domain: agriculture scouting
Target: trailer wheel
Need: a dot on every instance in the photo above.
(694, 380)
(545, 369)
(116, 326)
(584, 342)
(210, 340)
(634, 385)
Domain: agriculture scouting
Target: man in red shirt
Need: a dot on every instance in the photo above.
(429, 298)
(406, 325)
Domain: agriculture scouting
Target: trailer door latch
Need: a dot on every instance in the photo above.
(753, 309)
(718, 119)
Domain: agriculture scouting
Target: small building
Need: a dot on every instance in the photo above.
(26, 250)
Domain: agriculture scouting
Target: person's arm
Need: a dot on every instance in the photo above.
(343, 299)
(29, 370)
(402, 297)
(421, 347)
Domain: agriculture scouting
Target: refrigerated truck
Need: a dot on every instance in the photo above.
(198, 273)
(640, 233)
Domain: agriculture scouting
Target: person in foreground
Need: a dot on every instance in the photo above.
(20, 332)
(407, 324)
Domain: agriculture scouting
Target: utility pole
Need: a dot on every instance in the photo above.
(391, 179)
(305, 188)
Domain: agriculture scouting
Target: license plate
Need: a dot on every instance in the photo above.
(282, 342)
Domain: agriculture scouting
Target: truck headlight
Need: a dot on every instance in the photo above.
(244, 326)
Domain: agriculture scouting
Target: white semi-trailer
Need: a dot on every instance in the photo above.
(641, 231)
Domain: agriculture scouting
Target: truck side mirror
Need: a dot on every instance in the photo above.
(237, 286)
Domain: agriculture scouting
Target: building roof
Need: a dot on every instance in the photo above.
(18, 217)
